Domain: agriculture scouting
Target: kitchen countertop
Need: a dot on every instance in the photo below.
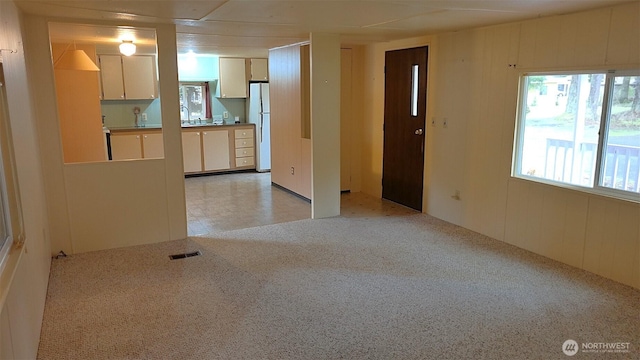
(187, 126)
(133, 128)
(184, 126)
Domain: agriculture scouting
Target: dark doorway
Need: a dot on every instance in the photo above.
(405, 107)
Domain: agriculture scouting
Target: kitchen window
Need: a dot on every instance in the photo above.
(195, 102)
(580, 130)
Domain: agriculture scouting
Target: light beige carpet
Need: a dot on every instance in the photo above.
(389, 287)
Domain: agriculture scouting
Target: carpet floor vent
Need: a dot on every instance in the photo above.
(185, 255)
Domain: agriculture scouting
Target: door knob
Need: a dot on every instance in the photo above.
(418, 132)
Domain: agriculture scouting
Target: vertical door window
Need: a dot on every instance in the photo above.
(415, 70)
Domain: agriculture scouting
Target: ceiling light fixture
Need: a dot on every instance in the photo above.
(75, 60)
(127, 48)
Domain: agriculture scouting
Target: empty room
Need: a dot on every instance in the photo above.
(319, 179)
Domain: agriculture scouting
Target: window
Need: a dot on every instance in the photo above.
(5, 236)
(194, 102)
(581, 130)
(11, 233)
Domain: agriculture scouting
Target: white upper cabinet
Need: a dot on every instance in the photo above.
(233, 79)
(111, 76)
(128, 77)
(259, 69)
(139, 73)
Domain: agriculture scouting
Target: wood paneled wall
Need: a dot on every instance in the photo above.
(290, 118)
(290, 152)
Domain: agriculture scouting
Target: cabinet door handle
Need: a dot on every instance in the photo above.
(137, 136)
(145, 136)
(204, 133)
(197, 133)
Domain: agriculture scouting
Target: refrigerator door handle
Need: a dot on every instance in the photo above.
(261, 124)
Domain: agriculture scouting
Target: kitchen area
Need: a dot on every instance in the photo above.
(222, 115)
(223, 110)
(120, 138)
(122, 157)
(219, 116)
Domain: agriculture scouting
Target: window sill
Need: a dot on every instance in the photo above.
(612, 194)
(8, 270)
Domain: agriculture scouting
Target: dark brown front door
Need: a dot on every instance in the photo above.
(405, 106)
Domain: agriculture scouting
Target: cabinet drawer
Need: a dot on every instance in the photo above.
(244, 143)
(244, 133)
(245, 161)
(243, 152)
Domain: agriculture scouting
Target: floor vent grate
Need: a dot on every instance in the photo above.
(185, 255)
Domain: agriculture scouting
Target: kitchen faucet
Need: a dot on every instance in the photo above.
(188, 114)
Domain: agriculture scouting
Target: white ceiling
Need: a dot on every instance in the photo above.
(250, 27)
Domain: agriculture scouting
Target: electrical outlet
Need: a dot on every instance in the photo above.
(445, 122)
(293, 170)
(144, 116)
(225, 114)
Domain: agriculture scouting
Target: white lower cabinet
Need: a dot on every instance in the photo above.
(244, 146)
(191, 151)
(152, 146)
(137, 144)
(204, 149)
(215, 148)
(221, 149)
(126, 146)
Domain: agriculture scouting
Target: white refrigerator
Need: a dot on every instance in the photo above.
(258, 114)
